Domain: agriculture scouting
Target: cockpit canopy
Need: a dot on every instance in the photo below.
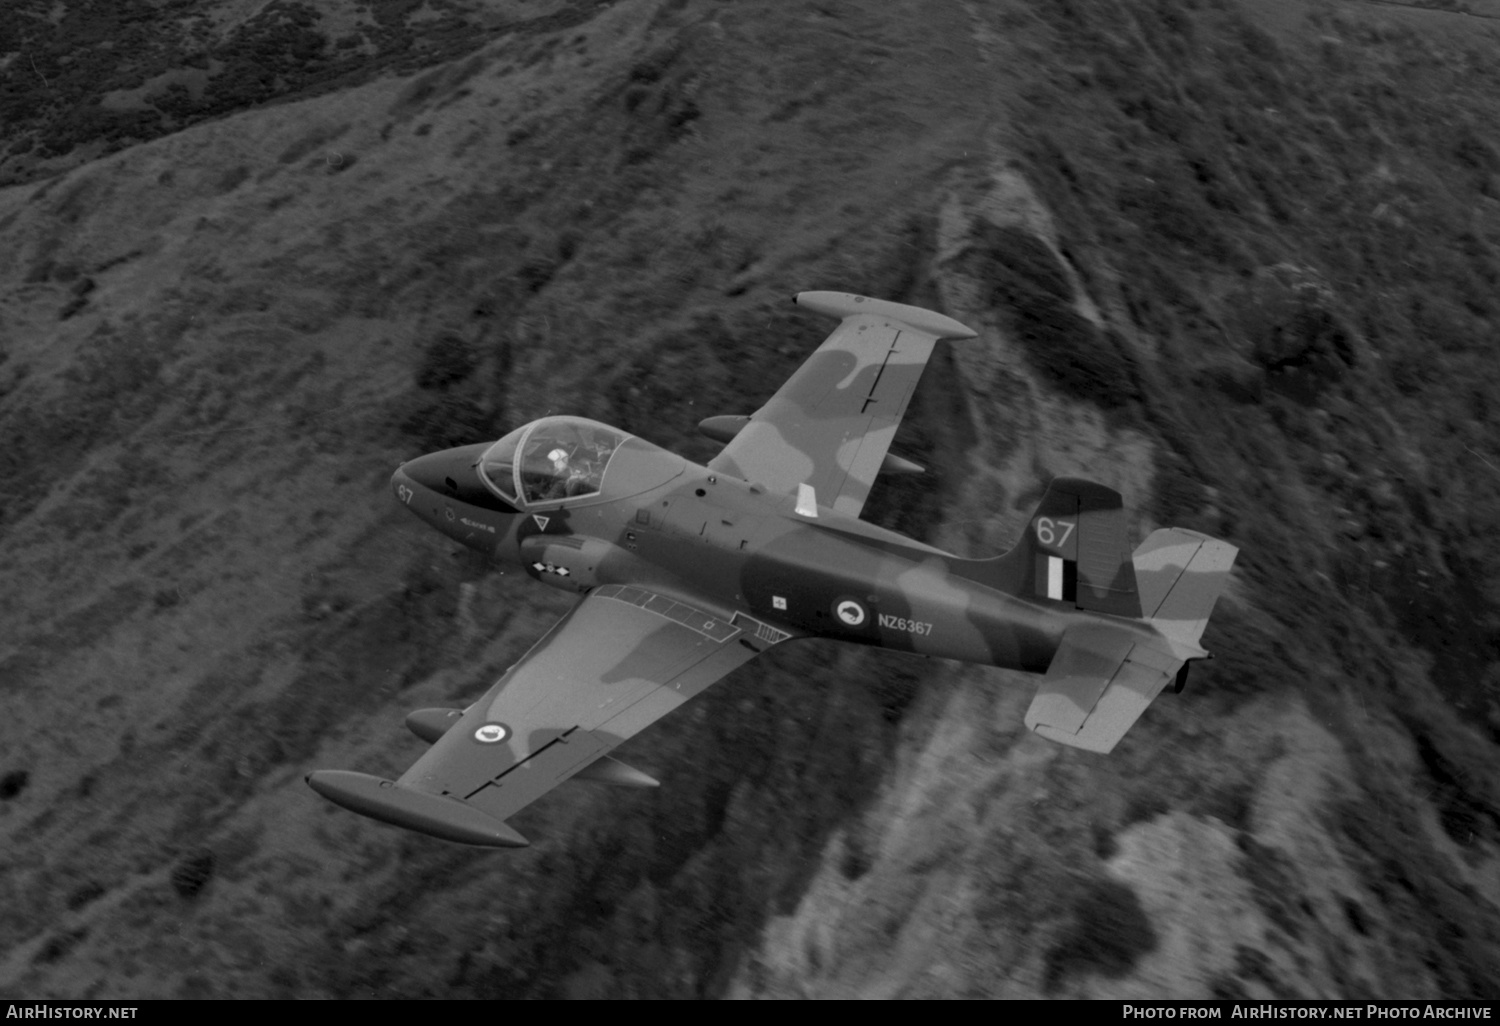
(550, 460)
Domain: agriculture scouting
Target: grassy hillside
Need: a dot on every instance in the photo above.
(1238, 267)
(90, 77)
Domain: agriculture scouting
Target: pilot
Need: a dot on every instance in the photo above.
(559, 487)
(567, 480)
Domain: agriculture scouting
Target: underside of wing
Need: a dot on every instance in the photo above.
(830, 426)
(620, 660)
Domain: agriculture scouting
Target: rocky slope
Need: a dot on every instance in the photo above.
(1237, 269)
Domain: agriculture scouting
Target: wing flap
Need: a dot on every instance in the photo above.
(553, 763)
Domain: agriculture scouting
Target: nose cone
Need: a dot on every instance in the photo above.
(444, 489)
(418, 485)
(432, 472)
(408, 493)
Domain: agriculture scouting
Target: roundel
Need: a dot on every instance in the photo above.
(851, 612)
(491, 732)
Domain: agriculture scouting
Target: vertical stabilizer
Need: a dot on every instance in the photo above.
(1074, 550)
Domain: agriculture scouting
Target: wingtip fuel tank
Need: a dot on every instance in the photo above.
(434, 814)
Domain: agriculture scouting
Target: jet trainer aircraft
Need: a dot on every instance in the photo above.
(688, 571)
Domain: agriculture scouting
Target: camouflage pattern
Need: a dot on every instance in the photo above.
(830, 425)
(688, 571)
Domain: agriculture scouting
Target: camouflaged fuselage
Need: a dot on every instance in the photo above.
(686, 572)
(727, 545)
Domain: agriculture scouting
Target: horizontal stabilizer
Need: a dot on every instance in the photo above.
(431, 724)
(1085, 663)
(1100, 681)
(606, 770)
(1127, 696)
(1181, 574)
(422, 811)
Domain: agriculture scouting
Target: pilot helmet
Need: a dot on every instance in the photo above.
(559, 458)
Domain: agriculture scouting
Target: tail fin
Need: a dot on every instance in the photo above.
(1181, 574)
(1074, 550)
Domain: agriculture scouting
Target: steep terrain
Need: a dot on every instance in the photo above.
(1241, 270)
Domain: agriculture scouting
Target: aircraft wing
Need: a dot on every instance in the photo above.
(618, 661)
(832, 422)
